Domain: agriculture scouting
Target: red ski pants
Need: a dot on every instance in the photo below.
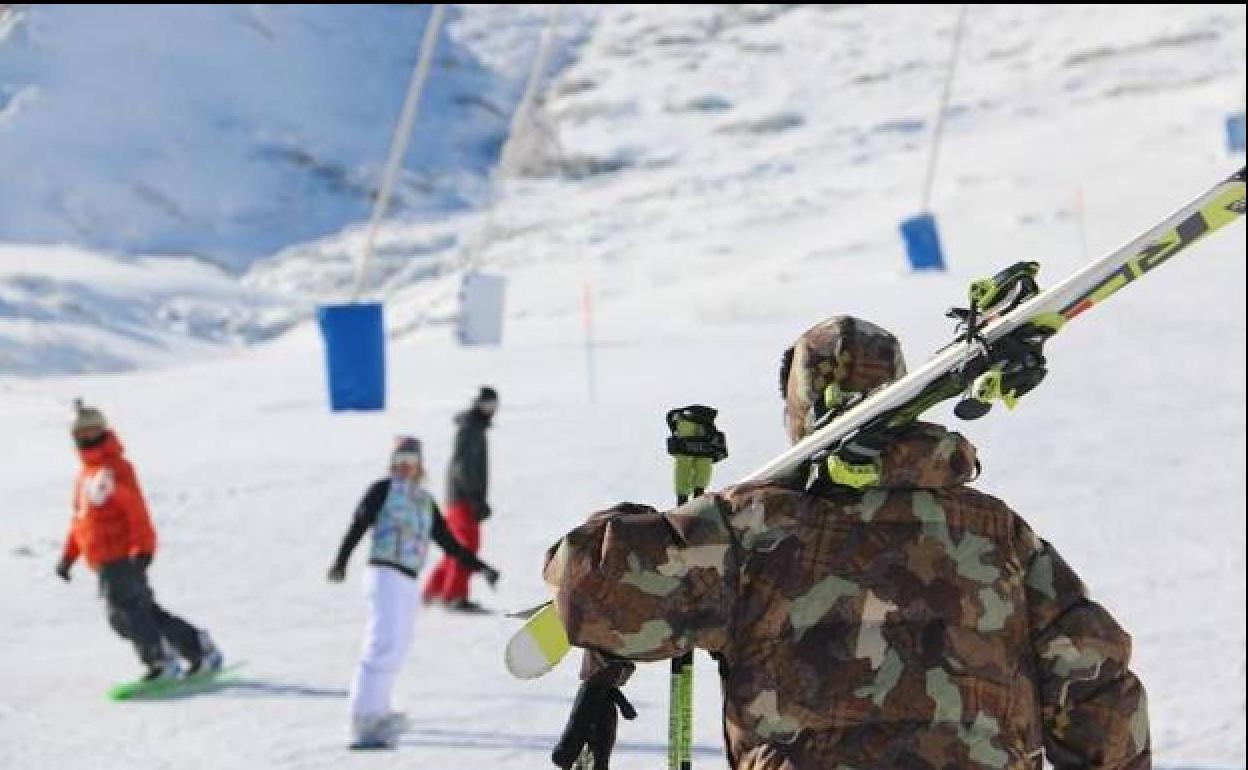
(449, 580)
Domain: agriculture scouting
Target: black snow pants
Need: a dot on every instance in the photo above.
(135, 616)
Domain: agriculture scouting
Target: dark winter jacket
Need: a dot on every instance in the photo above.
(467, 478)
(365, 518)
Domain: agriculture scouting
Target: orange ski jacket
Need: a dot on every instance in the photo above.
(110, 520)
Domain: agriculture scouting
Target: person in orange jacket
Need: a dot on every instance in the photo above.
(111, 529)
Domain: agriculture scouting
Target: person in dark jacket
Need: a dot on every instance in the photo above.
(467, 495)
(404, 518)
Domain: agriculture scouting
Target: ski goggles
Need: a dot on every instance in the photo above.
(90, 439)
(405, 458)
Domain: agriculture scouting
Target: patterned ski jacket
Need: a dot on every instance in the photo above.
(919, 624)
(404, 519)
(110, 520)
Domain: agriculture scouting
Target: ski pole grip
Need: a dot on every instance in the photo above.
(694, 444)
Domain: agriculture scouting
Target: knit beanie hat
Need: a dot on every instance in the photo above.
(406, 450)
(87, 418)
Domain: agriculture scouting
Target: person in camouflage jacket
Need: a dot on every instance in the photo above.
(915, 623)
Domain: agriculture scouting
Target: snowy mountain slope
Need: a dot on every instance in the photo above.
(224, 132)
(232, 131)
(66, 310)
(727, 125)
(707, 256)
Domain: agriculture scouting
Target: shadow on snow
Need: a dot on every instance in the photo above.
(466, 739)
(248, 688)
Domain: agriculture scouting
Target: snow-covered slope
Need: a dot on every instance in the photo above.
(224, 133)
(66, 310)
(723, 231)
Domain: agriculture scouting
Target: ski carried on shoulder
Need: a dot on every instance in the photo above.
(997, 355)
(1007, 309)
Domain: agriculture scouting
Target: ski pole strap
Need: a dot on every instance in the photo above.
(711, 448)
(694, 433)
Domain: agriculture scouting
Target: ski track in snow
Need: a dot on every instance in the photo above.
(707, 254)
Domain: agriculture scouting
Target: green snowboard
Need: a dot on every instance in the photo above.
(170, 688)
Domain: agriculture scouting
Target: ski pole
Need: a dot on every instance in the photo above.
(694, 445)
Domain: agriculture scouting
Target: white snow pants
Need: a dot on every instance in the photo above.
(393, 601)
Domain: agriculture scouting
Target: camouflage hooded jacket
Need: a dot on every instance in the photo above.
(916, 625)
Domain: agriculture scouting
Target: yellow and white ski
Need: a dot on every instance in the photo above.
(539, 645)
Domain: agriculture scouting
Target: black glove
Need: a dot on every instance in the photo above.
(592, 722)
(142, 561)
(336, 574)
(62, 569)
(481, 511)
(490, 574)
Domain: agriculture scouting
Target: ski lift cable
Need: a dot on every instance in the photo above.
(938, 130)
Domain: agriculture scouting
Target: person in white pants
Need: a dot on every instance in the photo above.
(393, 601)
(404, 518)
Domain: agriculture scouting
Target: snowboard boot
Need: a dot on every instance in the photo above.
(166, 668)
(376, 732)
(467, 607)
(210, 659)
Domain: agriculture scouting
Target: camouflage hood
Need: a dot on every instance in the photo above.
(854, 355)
(926, 456)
